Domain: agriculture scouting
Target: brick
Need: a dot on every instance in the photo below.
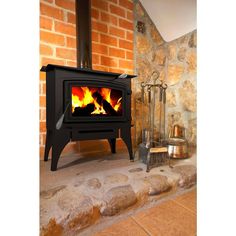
(114, 1)
(42, 114)
(126, 24)
(45, 50)
(129, 36)
(53, 38)
(41, 152)
(66, 4)
(117, 10)
(45, 23)
(100, 4)
(126, 4)
(42, 102)
(126, 64)
(65, 28)
(116, 70)
(48, 60)
(100, 49)
(70, 148)
(128, 72)
(129, 55)
(113, 20)
(66, 53)
(71, 63)
(95, 36)
(42, 76)
(51, 11)
(42, 126)
(117, 32)
(40, 89)
(97, 26)
(71, 18)
(130, 15)
(109, 40)
(107, 61)
(44, 88)
(95, 58)
(100, 68)
(70, 42)
(105, 17)
(125, 44)
(116, 52)
(95, 13)
(42, 139)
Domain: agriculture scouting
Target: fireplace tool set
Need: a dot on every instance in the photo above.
(151, 152)
(156, 153)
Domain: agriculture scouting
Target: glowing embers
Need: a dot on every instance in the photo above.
(88, 101)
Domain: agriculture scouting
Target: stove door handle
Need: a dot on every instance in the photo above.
(60, 121)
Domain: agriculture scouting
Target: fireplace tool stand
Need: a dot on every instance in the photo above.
(154, 153)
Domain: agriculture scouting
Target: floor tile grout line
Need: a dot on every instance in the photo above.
(191, 211)
(149, 234)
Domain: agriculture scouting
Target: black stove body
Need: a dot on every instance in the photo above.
(84, 104)
(60, 83)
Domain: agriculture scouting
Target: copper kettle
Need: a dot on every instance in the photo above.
(177, 132)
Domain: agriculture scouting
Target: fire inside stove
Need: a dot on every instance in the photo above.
(91, 101)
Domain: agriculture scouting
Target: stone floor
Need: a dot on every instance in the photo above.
(90, 192)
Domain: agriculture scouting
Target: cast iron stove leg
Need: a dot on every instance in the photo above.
(112, 142)
(48, 144)
(126, 136)
(61, 138)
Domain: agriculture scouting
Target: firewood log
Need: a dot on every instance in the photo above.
(84, 111)
(108, 108)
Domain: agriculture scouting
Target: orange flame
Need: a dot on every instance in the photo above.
(82, 96)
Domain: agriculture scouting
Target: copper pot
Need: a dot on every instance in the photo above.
(177, 148)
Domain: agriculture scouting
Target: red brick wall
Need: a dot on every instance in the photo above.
(112, 42)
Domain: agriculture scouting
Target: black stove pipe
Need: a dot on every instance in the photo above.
(83, 33)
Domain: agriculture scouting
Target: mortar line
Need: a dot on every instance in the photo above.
(146, 231)
(191, 211)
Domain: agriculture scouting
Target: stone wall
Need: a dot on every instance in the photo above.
(174, 62)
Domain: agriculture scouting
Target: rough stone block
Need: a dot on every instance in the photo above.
(188, 175)
(118, 199)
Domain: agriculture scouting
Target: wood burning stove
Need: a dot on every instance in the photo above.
(84, 104)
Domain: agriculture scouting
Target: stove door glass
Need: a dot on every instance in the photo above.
(95, 102)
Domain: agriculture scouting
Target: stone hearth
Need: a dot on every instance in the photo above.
(91, 190)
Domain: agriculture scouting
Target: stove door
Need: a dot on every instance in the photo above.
(95, 101)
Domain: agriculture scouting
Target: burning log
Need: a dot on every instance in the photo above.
(109, 109)
(84, 111)
(98, 97)
(106, 105)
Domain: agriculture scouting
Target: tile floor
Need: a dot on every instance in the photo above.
(176, 217)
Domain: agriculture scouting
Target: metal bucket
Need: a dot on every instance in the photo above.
(177, 148)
